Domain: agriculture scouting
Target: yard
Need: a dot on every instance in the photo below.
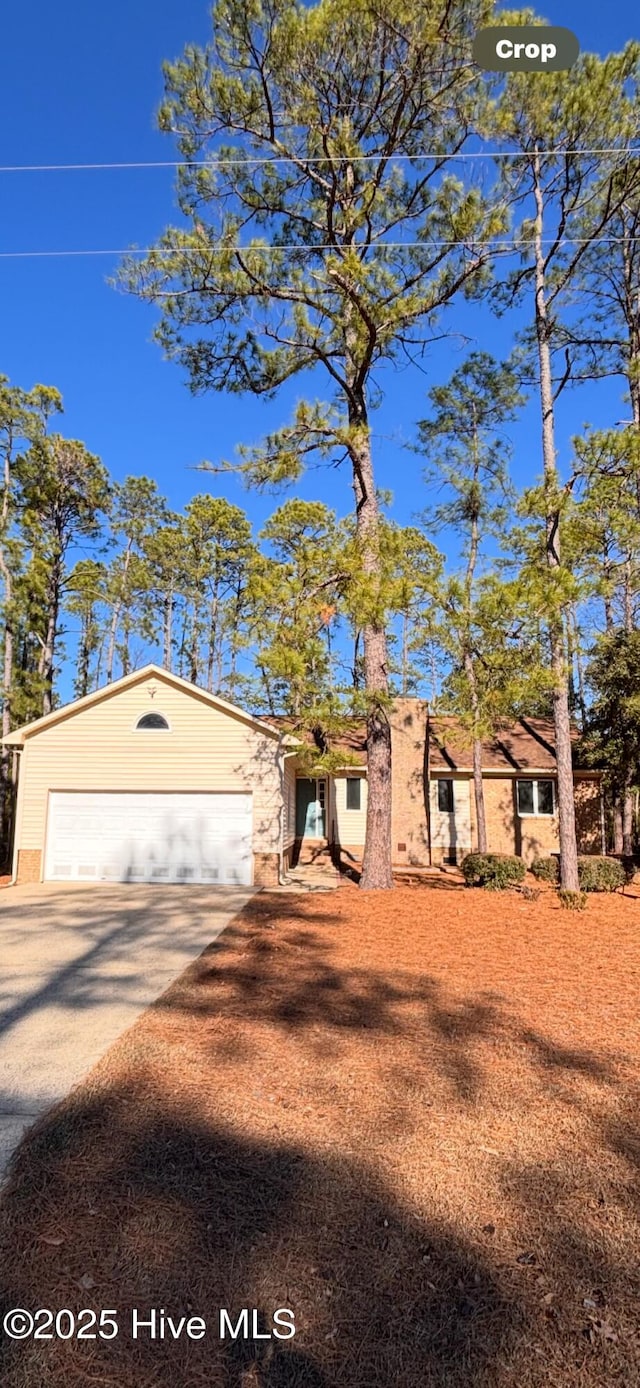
(412, 1119)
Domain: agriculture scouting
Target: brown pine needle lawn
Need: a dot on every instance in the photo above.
(411, 1118)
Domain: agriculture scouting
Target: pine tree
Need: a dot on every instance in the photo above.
(569, 200)
(324, 232)
(468, 459)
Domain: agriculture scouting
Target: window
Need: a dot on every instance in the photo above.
(152, 721)
(353, 793)
(445, 796)
(535, 797)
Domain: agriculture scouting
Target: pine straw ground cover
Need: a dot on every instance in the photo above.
(412, 1118)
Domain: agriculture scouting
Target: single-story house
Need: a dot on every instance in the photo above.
(153, 779)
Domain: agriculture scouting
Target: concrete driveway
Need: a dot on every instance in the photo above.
(77, 966)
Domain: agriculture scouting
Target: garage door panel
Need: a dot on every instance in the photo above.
(149, 837)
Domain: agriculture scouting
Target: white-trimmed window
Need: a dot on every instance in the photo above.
(152, 722)
(535, 798)
(354, 792)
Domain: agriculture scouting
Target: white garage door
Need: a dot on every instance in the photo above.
(136, 837)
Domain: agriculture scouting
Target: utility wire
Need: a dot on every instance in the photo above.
(357, 245)
(216, 162)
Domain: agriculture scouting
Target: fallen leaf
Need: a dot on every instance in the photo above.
(86, 1282)
(55, 1242)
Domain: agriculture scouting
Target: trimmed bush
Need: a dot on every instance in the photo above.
(572, 901)
(546, 869)
(492, 870)
(601, 874)
(594, 874)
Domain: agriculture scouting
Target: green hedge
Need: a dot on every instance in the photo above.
(492, 870)
(546, 869)
(595, 874)
(601, 874)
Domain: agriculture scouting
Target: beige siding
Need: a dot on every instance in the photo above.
(289, 810)
(350, 825)
(98, 749)
(451, 832)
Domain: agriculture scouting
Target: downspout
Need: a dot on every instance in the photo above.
(427, 779)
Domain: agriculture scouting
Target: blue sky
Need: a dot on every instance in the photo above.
(81, 83)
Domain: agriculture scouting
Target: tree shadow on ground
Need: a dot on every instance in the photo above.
(281, 968)
(139, 1191)
(143, 1205)
(123, 1197)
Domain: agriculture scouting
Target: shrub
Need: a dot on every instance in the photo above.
(492, 870)
(546, 869)
(572, 901)
(601, 874)
(594, 874)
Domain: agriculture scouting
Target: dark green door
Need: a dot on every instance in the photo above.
(310, 797)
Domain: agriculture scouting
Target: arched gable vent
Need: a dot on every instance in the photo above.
(153, 722)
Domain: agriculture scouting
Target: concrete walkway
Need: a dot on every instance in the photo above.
(318, 876)
(78, 964)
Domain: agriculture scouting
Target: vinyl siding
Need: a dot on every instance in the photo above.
(289, 810)
(451, 831)
(98, 749)
(350, 825)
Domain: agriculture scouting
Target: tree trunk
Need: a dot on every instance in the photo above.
(617, 824)
(582, 702)
(376, 862)
(7, 673)
(47, 655)
(561, 714)
(115, 620)
(627, 821)
(83, 656)
(167, 629)
(194, 651)
(5, 757)
(478, 789)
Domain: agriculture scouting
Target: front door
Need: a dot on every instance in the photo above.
(310, 808)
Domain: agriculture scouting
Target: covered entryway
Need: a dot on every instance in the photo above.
(131, 836)
(311, 795)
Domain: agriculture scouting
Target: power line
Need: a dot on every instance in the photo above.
(357, 245)
(216, 162)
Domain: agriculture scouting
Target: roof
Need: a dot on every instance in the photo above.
(525, 745)
(352, 740)
(528, 744)
(19, 735)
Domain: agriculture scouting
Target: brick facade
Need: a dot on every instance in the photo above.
(410, 811)
(266, 869)
(419, 834)
(29, 866)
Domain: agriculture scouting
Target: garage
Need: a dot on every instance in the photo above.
(136, 836)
